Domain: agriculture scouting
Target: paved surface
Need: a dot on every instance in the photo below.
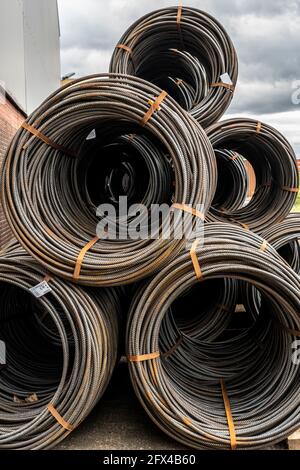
(120, 423)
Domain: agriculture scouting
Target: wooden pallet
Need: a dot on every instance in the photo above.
(294, 441)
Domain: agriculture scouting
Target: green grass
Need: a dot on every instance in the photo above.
(297, 205)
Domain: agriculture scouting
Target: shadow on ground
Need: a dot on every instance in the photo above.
(119, 423)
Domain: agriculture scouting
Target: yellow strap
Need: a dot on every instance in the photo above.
(223, 85)
(154, 107)
(233, 440)
(81, 256)
(144, 357)
(195, 260)
(189, 210)
(59, 418)
(46, 140)
(125, 48)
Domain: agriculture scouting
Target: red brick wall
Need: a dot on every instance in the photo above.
(10, 120)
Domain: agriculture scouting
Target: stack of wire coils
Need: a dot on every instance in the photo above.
(213, 315)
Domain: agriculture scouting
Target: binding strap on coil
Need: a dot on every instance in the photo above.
(35, 132)
(231, 426)
(194, 258)
(154, 106)
(81, 256)
(223, 85)
(290, 190)
(189, 210)
(173, 348)
(59, 418)
(125, 48)
(144, 357)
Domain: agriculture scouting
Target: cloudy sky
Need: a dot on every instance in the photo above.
(266, 34)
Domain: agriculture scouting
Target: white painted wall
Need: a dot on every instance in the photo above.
(29, 50)
(12, 66)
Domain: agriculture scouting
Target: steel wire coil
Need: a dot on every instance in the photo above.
(39, 186)
(285, 236)
(186, 57)
(132, 166)
(181, 391)
(61, 349)
(275, 166)
(233, 182)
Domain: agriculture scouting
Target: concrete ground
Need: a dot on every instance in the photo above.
(119, 423)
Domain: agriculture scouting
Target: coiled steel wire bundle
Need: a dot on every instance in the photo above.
(285, 236)
(40, 191)
(233, 182)
(218, 304)
(190, 388)
(133, 166)
(61, 350)
(186, 52)
(275, 166)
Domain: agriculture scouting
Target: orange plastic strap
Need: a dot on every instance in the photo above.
(187, 421)
(125, 48)
(189, 210)
(46, 140)
(264, 246)
(144, 357)
(81, 256)
(233, 441)
(258, 127)
(173, 349)
(50, 232)
(294, 333)
(59, 418)
(290, 190)
(223, 85)
(179, 14)
(179, 82)
(245, 226)
(154, 107)
(195, 260)
(234, 157)
(291, 332)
